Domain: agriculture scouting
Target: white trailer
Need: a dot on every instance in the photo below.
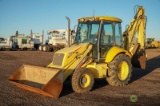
(23, 42)
(27, 42)
(58, 39)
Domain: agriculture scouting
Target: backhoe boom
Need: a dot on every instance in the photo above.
(136, 27)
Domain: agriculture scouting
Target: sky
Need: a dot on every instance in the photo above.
(38, 15)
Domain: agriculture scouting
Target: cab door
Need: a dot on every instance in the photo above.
(111, 35)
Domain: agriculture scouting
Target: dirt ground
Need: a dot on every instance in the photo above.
(145, 84)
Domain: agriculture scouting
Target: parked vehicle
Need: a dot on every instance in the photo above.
(98, 52)
(22, 42)
(6, 44)
(152, 43)
(57, 40)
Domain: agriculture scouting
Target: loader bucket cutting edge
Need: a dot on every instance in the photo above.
(45, 81)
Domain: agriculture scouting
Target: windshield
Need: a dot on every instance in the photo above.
(87, 32)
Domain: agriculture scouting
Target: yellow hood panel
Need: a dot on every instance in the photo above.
(75, 48)
(68, 55)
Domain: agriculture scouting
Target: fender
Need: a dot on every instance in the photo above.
(115, 51)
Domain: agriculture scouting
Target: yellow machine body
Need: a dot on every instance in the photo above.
(152, 43)
(155, 44)
(49, 80)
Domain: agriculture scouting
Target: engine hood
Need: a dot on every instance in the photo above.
(65, 56)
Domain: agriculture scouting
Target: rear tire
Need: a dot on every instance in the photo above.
(119, 72)
(82, 80)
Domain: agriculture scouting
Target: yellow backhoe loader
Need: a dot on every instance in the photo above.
(100, 51)
(152, 43)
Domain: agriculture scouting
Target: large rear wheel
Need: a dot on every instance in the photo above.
(82, 80)
(119, 72)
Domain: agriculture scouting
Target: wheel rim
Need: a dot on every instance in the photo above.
(123, 70)
(40, 48)
(85, 80)
(44, 48)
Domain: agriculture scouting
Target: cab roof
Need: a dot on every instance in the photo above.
(99, 18)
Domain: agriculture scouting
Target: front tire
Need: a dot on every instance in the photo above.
(82, 80)
(119, 72)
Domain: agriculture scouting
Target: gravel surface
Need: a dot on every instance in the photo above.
(145, 84)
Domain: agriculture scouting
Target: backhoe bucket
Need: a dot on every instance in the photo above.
(45, 81)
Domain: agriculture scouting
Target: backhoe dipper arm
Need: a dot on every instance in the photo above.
(137, 25)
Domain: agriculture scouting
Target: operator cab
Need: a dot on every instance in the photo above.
(103, 32)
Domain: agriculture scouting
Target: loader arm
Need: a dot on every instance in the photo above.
(137, 26)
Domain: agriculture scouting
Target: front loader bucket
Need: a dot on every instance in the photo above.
(45, 81)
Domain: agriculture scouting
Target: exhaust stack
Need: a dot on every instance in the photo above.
(68, 31)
